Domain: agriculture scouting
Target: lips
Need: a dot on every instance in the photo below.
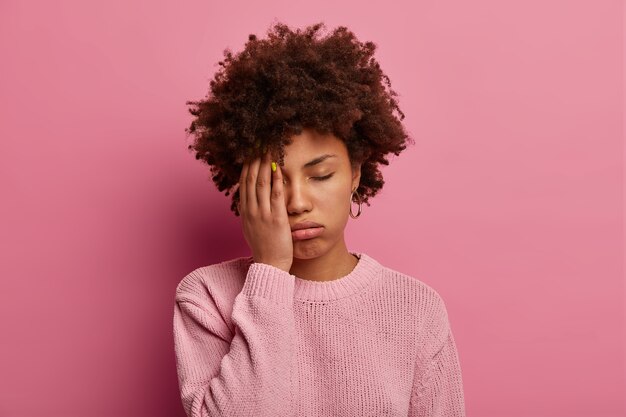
(306, 233)
(304, 225)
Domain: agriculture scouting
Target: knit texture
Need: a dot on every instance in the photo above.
(253, 340)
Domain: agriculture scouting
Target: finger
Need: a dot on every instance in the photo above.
(263, 183)
(242, 184)
(251, 179)
(277, 199)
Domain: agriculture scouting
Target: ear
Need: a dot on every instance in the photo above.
(356, 176)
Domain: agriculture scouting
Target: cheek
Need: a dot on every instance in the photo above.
(333, 198)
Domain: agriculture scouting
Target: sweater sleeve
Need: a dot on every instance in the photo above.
(438, 388)
(250, 375)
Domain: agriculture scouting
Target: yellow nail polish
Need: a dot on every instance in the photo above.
(273, 166)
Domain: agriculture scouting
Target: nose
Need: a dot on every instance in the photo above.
(297, 199)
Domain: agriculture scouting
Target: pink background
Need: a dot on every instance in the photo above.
(510, 204)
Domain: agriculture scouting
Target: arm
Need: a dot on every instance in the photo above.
(438, 383)
(252, 375)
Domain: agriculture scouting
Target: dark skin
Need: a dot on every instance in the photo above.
(293, 79)
(270, 202)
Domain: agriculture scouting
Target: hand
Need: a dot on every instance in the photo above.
(264, 215)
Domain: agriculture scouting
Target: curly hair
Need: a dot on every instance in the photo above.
(291, 81)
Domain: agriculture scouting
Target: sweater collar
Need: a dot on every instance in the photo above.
(362, 275)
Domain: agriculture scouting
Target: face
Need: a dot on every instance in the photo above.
(318, 182)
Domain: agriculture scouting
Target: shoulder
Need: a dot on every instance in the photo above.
(424, 304)
(219, 278)
(414, 286)
(420, 299)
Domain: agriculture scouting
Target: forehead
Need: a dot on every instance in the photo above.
(309, 145)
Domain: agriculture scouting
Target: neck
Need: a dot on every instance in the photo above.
(332, 265)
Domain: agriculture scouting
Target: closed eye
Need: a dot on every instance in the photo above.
(325, 177)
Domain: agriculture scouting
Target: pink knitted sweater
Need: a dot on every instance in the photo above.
(253, 340)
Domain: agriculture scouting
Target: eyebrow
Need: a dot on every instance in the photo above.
(317, 160)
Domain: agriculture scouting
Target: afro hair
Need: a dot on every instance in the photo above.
(290, 81)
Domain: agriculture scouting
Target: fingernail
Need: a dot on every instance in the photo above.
(273, 166)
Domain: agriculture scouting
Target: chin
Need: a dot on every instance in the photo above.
(308, 249)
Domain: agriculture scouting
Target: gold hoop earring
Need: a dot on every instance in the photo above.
(359, 198)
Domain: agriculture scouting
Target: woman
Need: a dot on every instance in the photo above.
(303, 326)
